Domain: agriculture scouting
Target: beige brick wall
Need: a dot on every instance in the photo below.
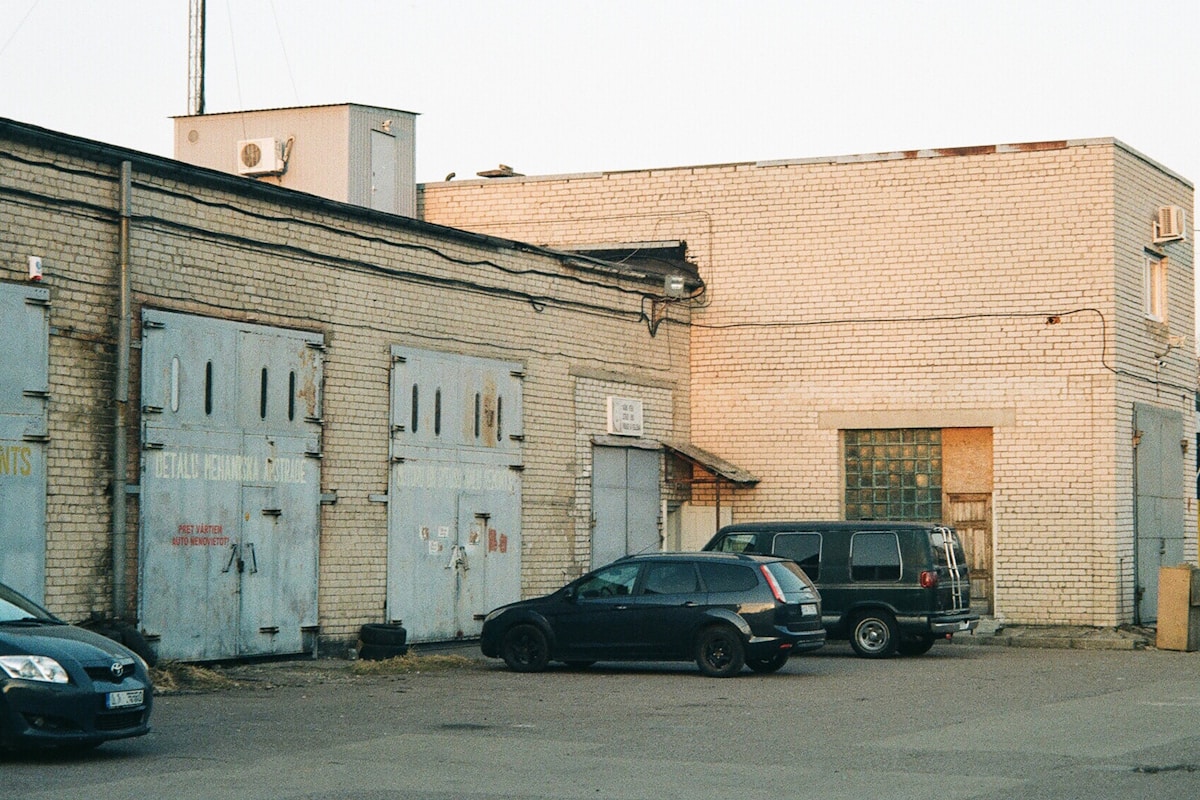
(912, 289)
(227, 250)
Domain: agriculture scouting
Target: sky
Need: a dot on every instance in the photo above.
(564, 86)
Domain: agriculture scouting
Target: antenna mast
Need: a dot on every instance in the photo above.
(196, 57)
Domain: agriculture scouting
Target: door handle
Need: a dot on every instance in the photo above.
(688, 604)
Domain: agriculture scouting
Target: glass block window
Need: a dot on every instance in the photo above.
(894, 474)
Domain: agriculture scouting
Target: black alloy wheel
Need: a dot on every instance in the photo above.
(525, 649)
(719, 652)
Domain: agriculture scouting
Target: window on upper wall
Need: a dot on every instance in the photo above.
(1155, 278)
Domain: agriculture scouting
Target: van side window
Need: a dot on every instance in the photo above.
(874, 557)
(803, 548)
(737, 543)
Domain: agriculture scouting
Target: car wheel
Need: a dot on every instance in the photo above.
(769, 664)
(719, 652)
(916, 646)
(874, 634)
(525, 649)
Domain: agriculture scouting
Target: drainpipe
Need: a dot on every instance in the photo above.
(121, 399)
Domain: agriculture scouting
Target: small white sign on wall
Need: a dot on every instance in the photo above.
(624, 416)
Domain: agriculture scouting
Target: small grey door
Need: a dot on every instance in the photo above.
(1160, 496)
(24, 393)
(230, 486)
(454, 507)
(625, 502)
(383, 172)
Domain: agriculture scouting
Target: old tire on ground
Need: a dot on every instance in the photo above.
(719, 652)
(127, 635)
(390, 634)
(769, 664)
(525, 649)
(873, 634)
(381, 652)
(915, 645)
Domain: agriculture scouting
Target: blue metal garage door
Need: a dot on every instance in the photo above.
(230, 486)
(454, 510)
(24, 392)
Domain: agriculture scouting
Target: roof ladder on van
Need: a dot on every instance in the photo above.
(956, 581)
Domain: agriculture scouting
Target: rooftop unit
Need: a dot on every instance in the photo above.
(350, 153)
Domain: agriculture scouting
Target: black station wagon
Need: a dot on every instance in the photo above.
(724, 610)
(886, 586)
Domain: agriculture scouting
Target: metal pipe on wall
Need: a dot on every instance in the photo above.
(121, 399)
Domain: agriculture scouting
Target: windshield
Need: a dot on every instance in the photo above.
(15, 607)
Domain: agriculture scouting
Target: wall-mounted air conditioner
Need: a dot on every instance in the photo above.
(259, 157)
(1170, 224)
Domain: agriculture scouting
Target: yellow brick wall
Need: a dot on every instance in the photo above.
(216, 249)
(996, 287)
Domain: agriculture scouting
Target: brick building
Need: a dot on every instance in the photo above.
(254, 419)
(999, 337)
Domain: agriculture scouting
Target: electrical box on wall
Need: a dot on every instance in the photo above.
(35, 268)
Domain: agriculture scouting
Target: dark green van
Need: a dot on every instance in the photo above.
(888, 587)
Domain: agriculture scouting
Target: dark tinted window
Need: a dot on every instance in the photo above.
(875, 557)
(728, 577)
(669, 578)
(791, 578)
(612, 581)
(937, 540)
(803, 548)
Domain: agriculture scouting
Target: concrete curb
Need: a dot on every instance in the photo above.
(993, 634)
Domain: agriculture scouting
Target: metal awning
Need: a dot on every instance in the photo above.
(707, 461)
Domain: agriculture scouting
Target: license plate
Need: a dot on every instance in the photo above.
(808, 609)
(125, 699)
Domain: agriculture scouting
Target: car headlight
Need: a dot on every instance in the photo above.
(34, 668)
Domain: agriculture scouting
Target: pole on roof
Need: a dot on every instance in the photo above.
(196, 57)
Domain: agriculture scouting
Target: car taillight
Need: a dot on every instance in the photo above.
(929, 579)
(774, 584)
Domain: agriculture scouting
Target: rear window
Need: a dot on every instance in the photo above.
(803, 548)
(937, 539)
(875, 557)
(728, 577)
(791, 579)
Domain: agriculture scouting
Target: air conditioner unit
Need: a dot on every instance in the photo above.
(259, 157)
(1169, 224)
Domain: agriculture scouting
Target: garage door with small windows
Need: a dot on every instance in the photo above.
(230, 487)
